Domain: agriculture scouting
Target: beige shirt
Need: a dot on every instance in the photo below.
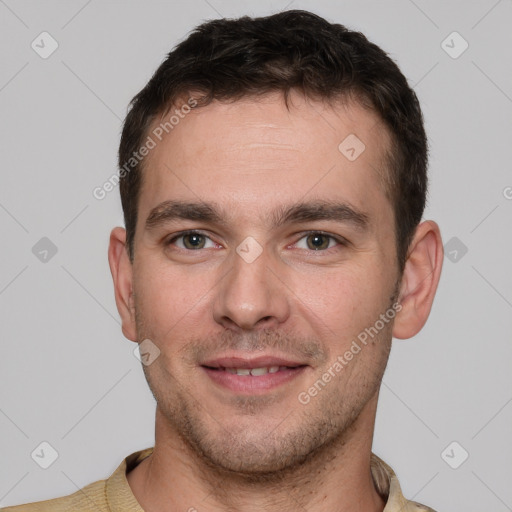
(115, 495)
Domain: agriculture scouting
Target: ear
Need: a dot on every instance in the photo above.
(122, 274)
(419, 280)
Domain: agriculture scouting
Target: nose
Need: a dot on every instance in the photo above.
(252, 294)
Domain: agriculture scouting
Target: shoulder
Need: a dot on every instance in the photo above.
(99, 496)
(418, 507)
(91, 497)
(387, 485)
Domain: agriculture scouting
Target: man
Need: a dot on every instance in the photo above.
(273, 181)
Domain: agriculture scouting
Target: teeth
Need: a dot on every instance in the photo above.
(255, 371)
(259, 371)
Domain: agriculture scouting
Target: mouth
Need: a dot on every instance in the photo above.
(253, 372)
(252, 376)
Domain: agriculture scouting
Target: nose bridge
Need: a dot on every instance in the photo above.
(250, 293)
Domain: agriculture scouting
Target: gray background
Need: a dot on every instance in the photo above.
(69, 377)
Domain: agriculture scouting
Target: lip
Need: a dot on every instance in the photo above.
(250, 362)
(252, 384)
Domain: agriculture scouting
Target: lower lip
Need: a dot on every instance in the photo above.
(253, 384)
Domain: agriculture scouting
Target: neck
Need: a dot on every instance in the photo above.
(337, 477)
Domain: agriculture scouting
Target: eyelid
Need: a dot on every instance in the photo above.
(339, 239)
(181, 234)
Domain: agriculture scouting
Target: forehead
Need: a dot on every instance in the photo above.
(256, 153)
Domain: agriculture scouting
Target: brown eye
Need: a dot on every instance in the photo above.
(318, 241)
(191, 241)
(321, 242)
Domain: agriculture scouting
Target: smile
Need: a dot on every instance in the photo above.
(255, 372)
(252, 377)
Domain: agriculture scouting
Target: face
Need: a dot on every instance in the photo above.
(263, 258)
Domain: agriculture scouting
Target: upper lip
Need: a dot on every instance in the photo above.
(250, 362)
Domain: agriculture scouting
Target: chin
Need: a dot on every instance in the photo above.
(258, 454)
(254, 462)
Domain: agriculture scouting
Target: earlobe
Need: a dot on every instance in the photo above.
(419, 281)
(122, 274)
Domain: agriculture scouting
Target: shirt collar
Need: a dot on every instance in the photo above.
(121, 499)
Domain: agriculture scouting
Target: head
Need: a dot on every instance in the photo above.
(293, 50)
(295, 150)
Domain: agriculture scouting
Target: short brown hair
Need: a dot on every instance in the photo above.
(228, 59)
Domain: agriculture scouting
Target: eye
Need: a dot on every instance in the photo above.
(318, 241)
(191, 240)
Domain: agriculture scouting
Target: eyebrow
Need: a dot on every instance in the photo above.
(301, 212)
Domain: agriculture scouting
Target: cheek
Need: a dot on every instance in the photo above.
(162, 297)
(344, 301)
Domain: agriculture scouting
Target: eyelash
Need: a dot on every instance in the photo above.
(341, 241)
